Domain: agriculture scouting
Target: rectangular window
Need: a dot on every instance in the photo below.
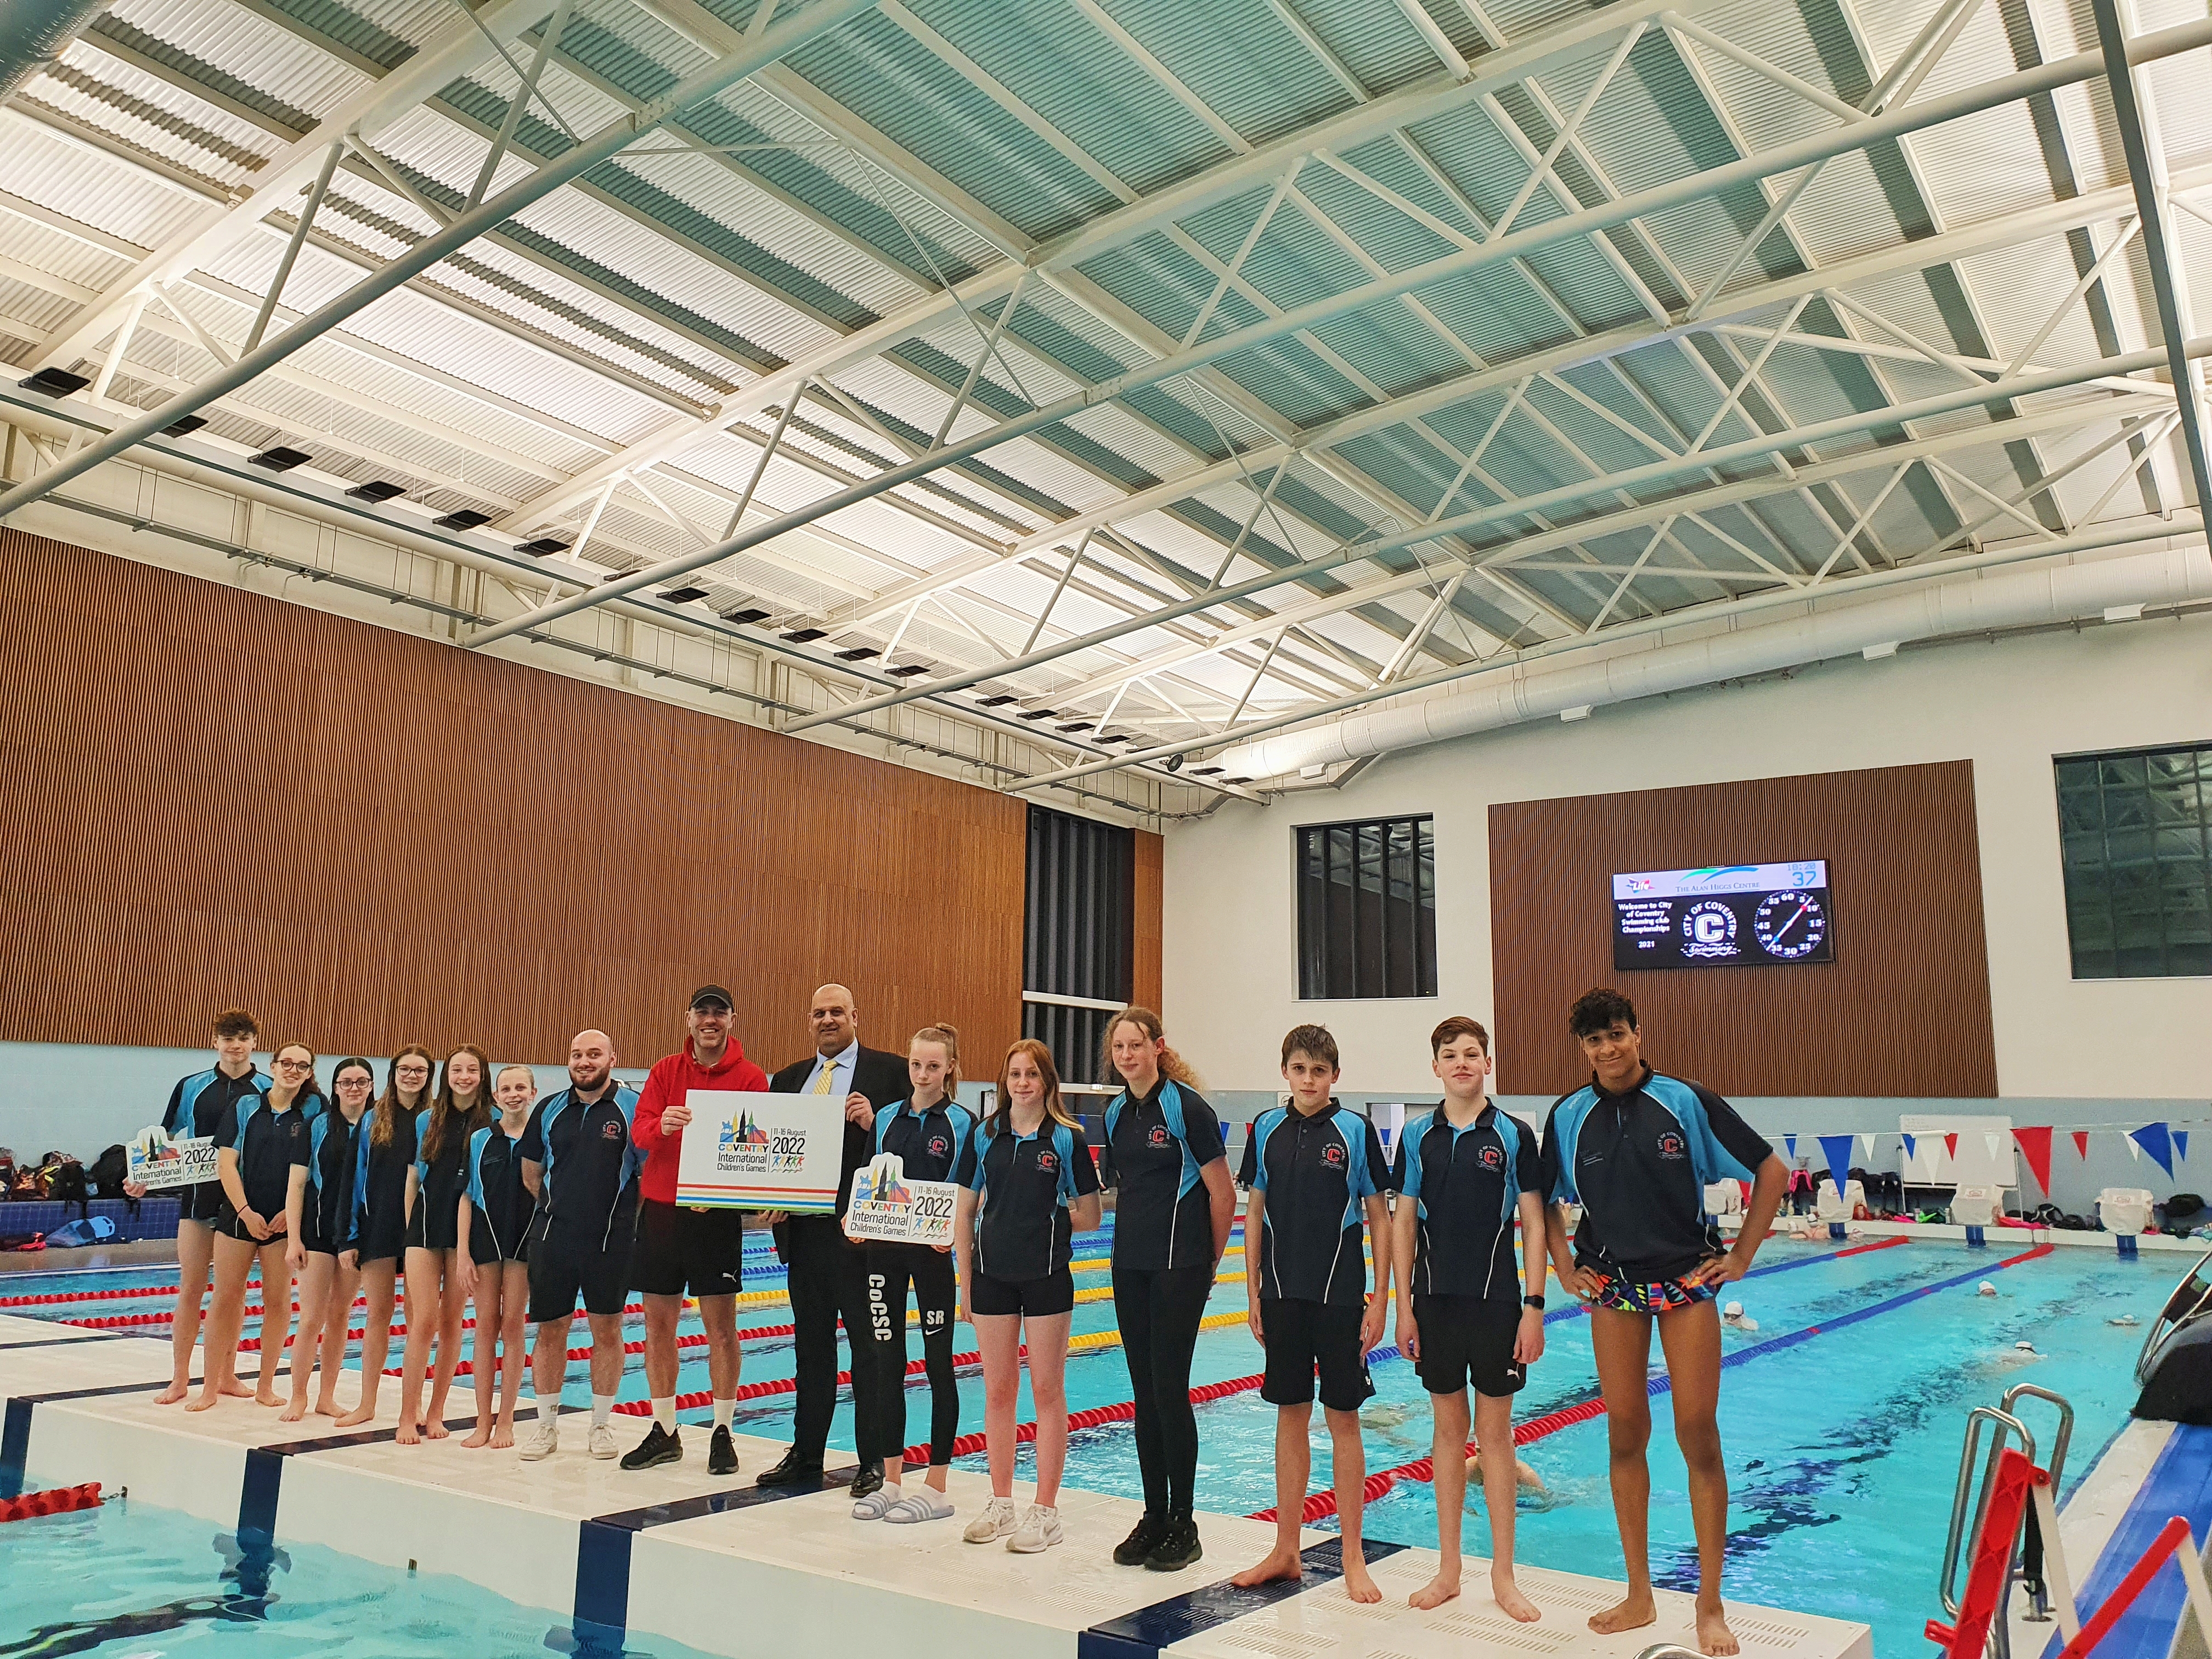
(1079, 938)
(1367, 909)
(2134, 829)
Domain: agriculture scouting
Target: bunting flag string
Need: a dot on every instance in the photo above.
(1911, 1145)
(2082, 1145)
(1866, 1146)
(1994, 1143)
(2035, 1147)
(1790, 1141)
(2134, 1148)
(1838, 1151)
(2181, 1145)
(2156, 1140)
(1951, 1146)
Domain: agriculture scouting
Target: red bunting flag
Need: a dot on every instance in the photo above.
(1951, 1146)
(2082, 1144)
(2035, 1147)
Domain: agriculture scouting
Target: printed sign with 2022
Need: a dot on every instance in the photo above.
(762, 1151)
(889, 1209)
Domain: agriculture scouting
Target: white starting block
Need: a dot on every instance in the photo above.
(2124, 1209)
(1977, 1206)
(1725, 1198)
(1828, 1207)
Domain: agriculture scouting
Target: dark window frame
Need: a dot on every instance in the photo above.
(1365, 904)
(2135, 834)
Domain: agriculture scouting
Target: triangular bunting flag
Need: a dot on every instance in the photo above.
(2035, 1147)
(1995, 1143)
(1951, 1144)
(2134, 1148)
(1838, 1150)
(2082, 1145)
(1790, 1141)
(2156, 1140)
(2181, 1145)
(1865, 1146)
(1911, 1145)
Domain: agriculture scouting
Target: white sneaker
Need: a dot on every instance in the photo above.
(602, 1442)
(544, 1437)
(996, 1522)
(1040, 1530)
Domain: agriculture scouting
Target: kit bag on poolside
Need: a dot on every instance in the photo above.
(88, 1230)
(107, 1173)
(63, 1182)
(2182, 1204)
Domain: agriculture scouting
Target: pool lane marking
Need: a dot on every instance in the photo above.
(2179, 1483)
(1322, 1503)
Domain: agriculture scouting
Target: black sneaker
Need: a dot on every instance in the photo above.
(1133, 1551)
(658, 1447)
(722, 1452)
(1178, 1546)
(870, 1477)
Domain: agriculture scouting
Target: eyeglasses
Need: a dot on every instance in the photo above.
(353, 1082)
(410, 1071)
(295, 1065)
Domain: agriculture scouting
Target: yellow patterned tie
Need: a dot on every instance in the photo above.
(827, 1076)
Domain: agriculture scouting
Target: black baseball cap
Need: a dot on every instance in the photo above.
(712, 994)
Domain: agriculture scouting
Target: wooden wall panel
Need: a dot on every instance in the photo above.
(370, 838)
(1903, 1010)
(1145, 978)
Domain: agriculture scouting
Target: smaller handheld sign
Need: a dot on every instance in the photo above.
(891, 1209)
(155, 1162)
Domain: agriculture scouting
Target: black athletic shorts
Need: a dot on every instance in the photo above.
(1053, 1294)
(1468, 1340)
(1303, 1337)
(229, 1224)
(560, 1273)
(311, 1235)
(679, 1245)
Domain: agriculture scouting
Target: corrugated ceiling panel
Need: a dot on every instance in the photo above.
(1240, 59)
(257, 51)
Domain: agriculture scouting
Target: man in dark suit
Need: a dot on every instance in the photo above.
(829, 1272)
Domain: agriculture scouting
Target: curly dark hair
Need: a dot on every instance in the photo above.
(1597, 1010)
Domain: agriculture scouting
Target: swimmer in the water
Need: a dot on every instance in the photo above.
(1985, 1289)
(1735, 1318)
(1524, 1477)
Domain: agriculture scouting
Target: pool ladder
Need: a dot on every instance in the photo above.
(2006, 1424)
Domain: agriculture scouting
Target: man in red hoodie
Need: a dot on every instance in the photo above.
(680, 1246)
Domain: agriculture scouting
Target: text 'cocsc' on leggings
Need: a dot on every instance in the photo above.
(892, 1268)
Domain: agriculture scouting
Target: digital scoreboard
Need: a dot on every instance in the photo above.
(1731, 915)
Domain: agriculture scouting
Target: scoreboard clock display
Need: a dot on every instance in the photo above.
(1729, 915)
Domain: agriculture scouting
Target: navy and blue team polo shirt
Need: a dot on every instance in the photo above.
(205, 1104)
(931, 1146)
(1315, 1172)
(331, 1152)
(590, 1164)
(1638, 1163)
(270, 1144)
(1154, 1149)
(1027, 1182)
(1466, 1184)
(500, 1203)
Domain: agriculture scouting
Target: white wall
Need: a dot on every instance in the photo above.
(1231, 984)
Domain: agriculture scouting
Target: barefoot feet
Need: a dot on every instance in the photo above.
(1359, 1583)
(293, 1412)
(173, 1394)
(482, 1438)
(358, 1415)
(1507, 1595)
(408, 1434)
(1279, 1564)
(433, 1429)
(1714, 1636)
(502, 1435)
(1633, 1613)
(1443, 1588)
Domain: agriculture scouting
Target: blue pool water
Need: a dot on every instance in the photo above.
(1842, 1445)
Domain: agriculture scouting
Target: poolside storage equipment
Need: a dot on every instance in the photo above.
(1828, 1207)
(1725, 1198)
(2124, 1209)
(1976, 1206)
(2175, 1366)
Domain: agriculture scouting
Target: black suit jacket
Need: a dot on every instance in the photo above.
(883, 1077)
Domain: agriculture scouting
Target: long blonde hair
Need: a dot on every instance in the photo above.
(1055, 1109)
(1173, 1065)
(947, 1037)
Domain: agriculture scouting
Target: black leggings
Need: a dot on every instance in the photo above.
(891, 1269)
(1158, 1311)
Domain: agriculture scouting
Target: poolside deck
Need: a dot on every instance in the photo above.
(728, 1568)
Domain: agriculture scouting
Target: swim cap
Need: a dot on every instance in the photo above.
(1734, 1310)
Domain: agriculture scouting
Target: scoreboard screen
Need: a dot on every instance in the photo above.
(1731, 915)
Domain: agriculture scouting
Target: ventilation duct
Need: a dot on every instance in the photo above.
(33, 33)
(1510, 695)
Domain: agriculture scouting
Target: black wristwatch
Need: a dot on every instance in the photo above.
(1535, 1301)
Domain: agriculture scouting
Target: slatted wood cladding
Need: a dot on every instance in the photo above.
(370, 838)
(1904, 1010)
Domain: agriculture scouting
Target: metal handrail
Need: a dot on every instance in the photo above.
(2192, 1297)
(2065, 1435)
(1955, 1539)
(2032, 1558)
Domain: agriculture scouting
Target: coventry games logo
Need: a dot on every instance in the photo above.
(866, 1190)
(746, 1147)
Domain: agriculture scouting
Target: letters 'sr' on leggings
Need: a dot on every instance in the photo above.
(891, 1269)
(1159, 1310)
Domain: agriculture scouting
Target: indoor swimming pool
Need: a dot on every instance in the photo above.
(1841, 1416)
